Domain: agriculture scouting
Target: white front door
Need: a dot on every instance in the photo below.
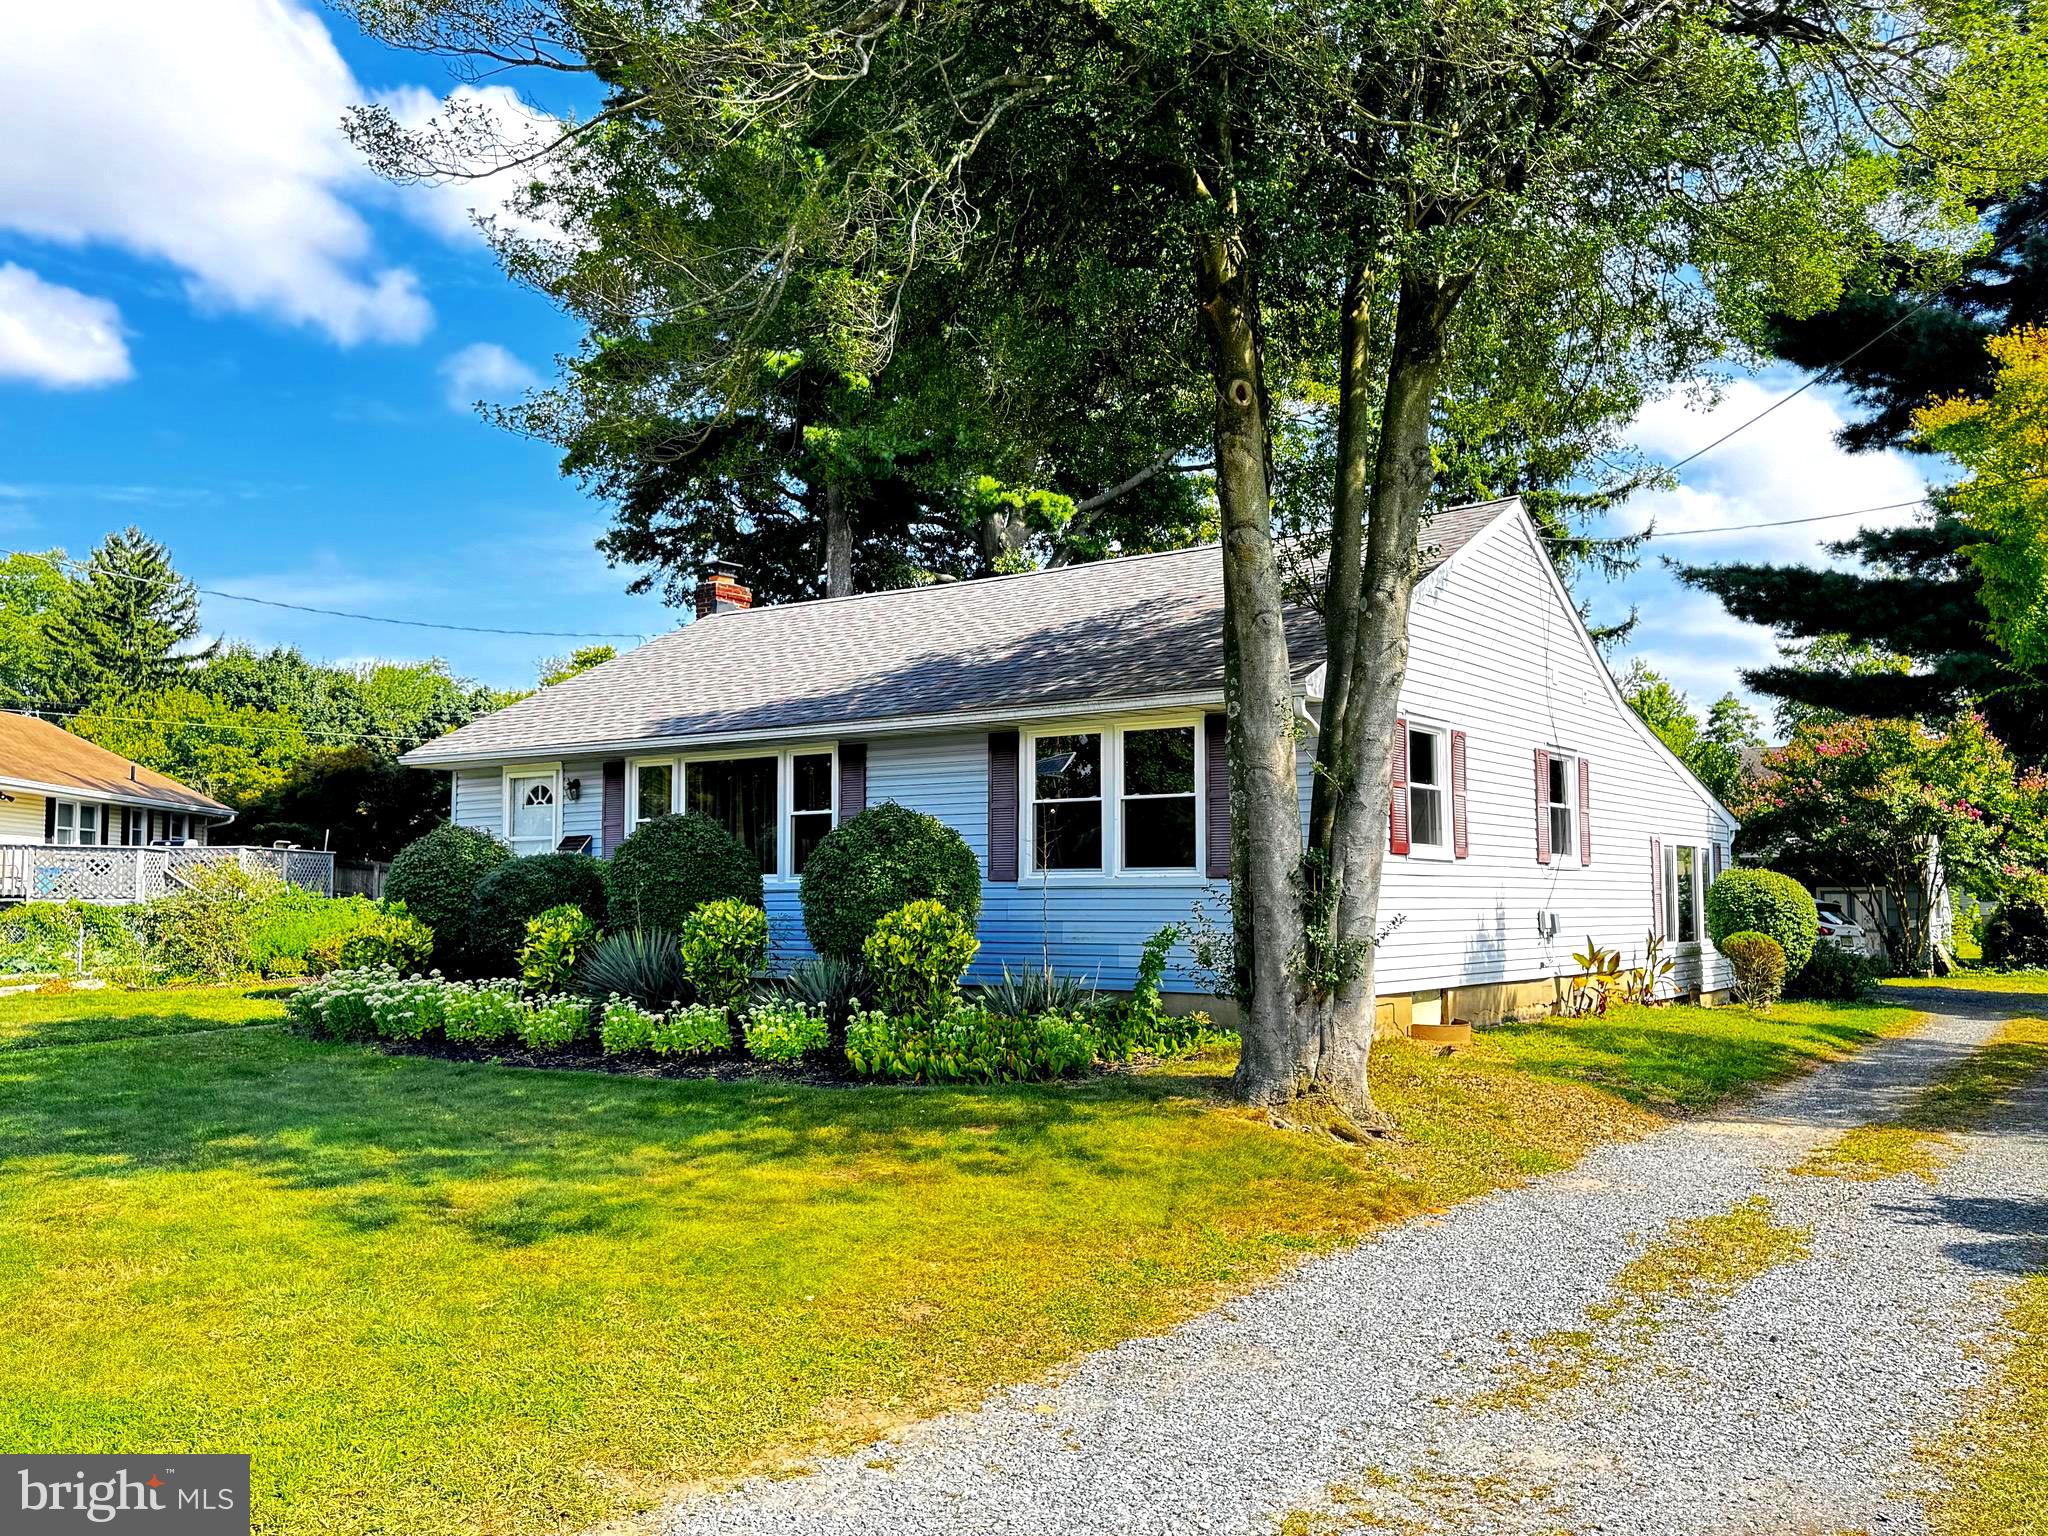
(533, 814)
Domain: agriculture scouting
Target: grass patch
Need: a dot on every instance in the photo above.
(1698, 1263)
(1979, 981)
(1687, 1059)
(30, 1019)
(1996, 1462)
(449, 1297)
(1922, 1140)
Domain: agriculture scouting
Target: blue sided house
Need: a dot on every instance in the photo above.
(1069, 725)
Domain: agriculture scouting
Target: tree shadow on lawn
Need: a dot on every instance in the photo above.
(552, 1154)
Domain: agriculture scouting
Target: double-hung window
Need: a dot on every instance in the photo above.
(1685, 869)
(1429, 781)
(1066, 801)
(78, 824)
(810, 805)
(1115, 800)
(654, 791)
(1158, 801)
(1559, 807)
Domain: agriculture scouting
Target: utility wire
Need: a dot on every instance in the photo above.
(341, 613)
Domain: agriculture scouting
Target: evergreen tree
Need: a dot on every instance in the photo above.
(125, 624)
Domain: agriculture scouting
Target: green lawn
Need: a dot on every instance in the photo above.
(1981, 981)
(439, 1297)
(76, 1018)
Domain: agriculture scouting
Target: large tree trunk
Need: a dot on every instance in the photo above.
(1355, 746)
(1347, 551)
(838, 543)
(1266, 809)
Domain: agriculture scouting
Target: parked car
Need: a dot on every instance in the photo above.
(1837, 927)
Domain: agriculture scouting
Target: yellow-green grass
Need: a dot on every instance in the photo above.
(1699, 1262)
(1996, 1463)
(1979, 981)
(1922, 1140)
(30, 1019)
(446, 1297)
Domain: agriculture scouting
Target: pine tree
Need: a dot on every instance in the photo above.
(125, 624)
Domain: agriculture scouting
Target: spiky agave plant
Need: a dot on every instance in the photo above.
(1027, 994)
(643, 965)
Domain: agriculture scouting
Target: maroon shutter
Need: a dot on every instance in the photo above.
(612, 811)
(1585, 812)
(1656, 888)
(49, 821)
(1216, 785)
(853, 779)
(1002, 806)
(121, 834)
(1542, 806)
(1397, 803)
(1460, 845)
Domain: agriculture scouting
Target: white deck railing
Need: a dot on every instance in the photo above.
(46, 872)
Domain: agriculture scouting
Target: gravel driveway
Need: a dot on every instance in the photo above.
(1368, 1384)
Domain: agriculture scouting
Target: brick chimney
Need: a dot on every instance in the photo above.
(720, 591)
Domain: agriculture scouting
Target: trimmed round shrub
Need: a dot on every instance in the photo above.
(1759, 962)
(1764, 901)
(724, 944)
(916, 956)
(866, 868)
(671, 866)
(2017, 935)
(436, 876)
(1835, 974)
(516, 892)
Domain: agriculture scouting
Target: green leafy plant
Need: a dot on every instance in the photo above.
(626, 1026)
(967, 1043)
(378, 934)
(916, 956)
(1021, 994)
(437, 876)
(68, 938)
(519, 890)
(785, 1031)
(1140, 1025)
(2016, 935)
(724, 944)
(555, 940)
(1640, 984)
(203, 931)
(698, 1030)
(479, 1013)
(672, 865)
(643, 965)
(1588, 992)
(1758, 961)
(1835, 974)
(878, 862)
(550, 1022)
(1764, 901)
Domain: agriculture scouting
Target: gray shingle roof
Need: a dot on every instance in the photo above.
(1143, 627)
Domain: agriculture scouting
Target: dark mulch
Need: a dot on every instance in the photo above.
(588, 1056)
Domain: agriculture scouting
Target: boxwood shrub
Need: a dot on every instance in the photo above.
(519, 890)
(1764, 901)
(436, 876)
(883, 859)
(671, 866)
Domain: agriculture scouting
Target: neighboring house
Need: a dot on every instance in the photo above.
(1068, 724)
(78, 822)
(65, 791)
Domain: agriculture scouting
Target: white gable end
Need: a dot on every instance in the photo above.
(1497, 654)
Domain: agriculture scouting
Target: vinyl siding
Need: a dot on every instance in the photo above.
(21, 818)
(584, 817)
(1496, 653)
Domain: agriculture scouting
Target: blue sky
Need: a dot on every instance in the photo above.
(214, 323)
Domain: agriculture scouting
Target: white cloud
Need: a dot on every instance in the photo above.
(484, 371)
(205, 136)
(1787, 466)
(57, 336)
(494, 125)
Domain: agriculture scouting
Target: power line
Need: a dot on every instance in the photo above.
(61, 563)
